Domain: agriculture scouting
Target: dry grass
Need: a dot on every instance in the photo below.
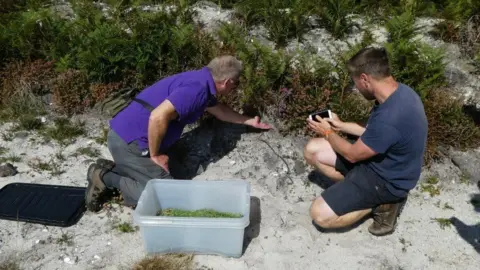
(166, 262)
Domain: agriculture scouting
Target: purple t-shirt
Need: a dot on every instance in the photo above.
(190, 92)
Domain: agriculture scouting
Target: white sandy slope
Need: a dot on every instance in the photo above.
(282, 232)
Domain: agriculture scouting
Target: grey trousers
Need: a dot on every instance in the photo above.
(132, 170)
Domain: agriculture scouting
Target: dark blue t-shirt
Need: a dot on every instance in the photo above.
(397, 131)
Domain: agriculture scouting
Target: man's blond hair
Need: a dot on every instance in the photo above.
(225, 67)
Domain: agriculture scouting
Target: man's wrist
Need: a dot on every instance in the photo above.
(327, 133)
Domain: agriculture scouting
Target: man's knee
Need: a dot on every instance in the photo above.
(322, 214)
(313, 148)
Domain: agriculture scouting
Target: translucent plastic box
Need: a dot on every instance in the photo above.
(218, 236)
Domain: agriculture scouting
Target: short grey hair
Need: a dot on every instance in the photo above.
(225, 67)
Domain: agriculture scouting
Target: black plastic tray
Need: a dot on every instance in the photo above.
(51, 205)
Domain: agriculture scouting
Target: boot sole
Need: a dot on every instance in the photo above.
(394, 222)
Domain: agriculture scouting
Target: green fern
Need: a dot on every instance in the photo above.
(334, 16)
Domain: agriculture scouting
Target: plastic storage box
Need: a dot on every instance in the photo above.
(216, 236)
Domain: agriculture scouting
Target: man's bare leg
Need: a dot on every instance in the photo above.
(320, 154)
(324, 216)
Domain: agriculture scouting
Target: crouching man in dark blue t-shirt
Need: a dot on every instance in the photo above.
(375, 173)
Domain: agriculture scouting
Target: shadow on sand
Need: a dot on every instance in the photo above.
(252, 231)
(207, 143)
(470, 233)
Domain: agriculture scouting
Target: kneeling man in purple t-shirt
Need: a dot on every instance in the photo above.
(142, 132)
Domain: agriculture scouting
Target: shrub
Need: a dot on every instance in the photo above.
(71, 92)
(21, 84)
(31, 34)
(414, 63)
(448, 124)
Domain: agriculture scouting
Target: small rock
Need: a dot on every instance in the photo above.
(7, 170)
(109, 243)
(96, 257)
(44, 230)
(299, 168)
(37, 242)
(232, 162)
(43, 119)
(68, 260)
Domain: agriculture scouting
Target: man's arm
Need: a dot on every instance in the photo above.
(353, 129)
(352, 152)
(224, 113)
(158, 125)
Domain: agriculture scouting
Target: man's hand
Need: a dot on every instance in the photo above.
(255, 122)
(335, 122)
(319, 127)
(162, 161)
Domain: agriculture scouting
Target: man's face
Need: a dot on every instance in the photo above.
(362, 83)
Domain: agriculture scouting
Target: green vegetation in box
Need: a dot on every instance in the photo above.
(209, 213)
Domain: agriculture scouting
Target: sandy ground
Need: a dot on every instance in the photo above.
(280, 236)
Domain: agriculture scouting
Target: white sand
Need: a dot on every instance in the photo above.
(285, 237)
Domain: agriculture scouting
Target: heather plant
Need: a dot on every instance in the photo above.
(71, 93)
(21, 84)
(448, 125)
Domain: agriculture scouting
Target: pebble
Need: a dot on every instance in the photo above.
(43, 119)
(96, 257)
(44, 230)
(38, 241)
(67, 260)
(232, 162)
(109, 243)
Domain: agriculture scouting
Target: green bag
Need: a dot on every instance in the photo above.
(116, 102)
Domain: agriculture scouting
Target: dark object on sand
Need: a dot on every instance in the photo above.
(43, 204)
(7, 170)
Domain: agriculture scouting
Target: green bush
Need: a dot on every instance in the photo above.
(414, 63)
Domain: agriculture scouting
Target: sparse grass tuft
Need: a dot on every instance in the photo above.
(430, 186)
(3, 150)
(103, 138)
(210, 213)
(65, 239)
(443, 222)
(125, 227)
(51, 166)
(88, 151)
(447, 206)
(64, 131)
(28, 122)
(166, 262)
(11, 158)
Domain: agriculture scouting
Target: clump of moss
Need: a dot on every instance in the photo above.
(210, 213)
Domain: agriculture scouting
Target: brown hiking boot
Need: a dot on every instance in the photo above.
(105, 163)
(385, 218)
(95, 188)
